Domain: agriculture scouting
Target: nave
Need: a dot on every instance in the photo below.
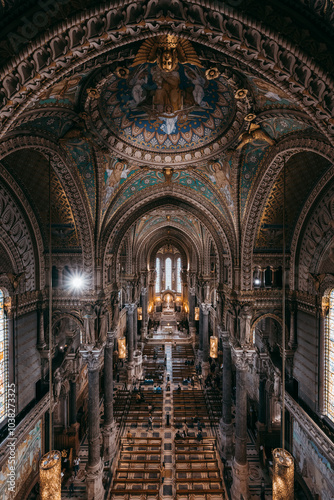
(176, 456)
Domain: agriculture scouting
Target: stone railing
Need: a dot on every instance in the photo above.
(312, 430)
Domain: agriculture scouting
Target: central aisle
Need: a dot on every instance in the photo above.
(154, 463)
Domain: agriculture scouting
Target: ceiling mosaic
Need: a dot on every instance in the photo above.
(116, 172)
(184, 178)
(167, 111)
(303, 171)
(63, 93)
(268, 95)
(164, 107)
(56, 125)
(80, 151)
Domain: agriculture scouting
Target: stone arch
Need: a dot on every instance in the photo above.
(169, 196)
(280, 154)
(70, 183)
(317, 236)
(16, 236)
(220, 26)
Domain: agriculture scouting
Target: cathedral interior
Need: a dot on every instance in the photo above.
(167, 249)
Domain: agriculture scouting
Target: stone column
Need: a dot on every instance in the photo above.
(226, 426)
(200, 331)
(192, 323)
(130, 338)
(144, 322)
(41, 344)
(109, 426)
(292, 337)
(240, 464)
(73, 402)
(135, 328)
(323, 312)
(205, 333)
(94, 467)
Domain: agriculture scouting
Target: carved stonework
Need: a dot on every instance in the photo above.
(92, 356)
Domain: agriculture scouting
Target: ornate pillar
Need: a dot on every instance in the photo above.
(109, 426)
(192, 323)
(135, 328)
(240, 464)
(130, 332)
(323, 312)
(94, 467)
(226, 426)
(144, 305)
(41, 344)
(205, 334)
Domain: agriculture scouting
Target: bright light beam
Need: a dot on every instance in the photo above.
(76, 282)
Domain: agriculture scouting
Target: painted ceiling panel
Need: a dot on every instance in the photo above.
(80, 151)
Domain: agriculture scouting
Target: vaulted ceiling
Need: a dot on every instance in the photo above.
(137, 145)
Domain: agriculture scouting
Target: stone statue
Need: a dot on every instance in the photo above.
(89, 323)
(114, 309)
(103, 323)
(277, 384)
(57, 383)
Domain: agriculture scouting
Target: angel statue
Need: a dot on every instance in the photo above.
(255, 133)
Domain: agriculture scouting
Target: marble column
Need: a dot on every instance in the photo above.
(94, 467)
(205, 335)
(226, 426)
(135, 328)
(144, 305)
(73, 402)
(41, 344)
(292, 337)
(192, 323)
(240, 465)
(130, 339)
(200, 331)
(109, 425)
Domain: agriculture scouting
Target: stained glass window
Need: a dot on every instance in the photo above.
(3, 358)
(178, 275)
(168, 271)
(158, 276)
(329, 360)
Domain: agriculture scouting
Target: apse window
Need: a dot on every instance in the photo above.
(158, 273)
(168, 271)
(329, 360)
(3, 358)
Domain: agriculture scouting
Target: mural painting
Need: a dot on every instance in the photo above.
(27, 456)
(165, 102)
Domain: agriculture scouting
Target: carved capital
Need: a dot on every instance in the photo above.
(110, 339)
(205, 308)
(91, 355)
